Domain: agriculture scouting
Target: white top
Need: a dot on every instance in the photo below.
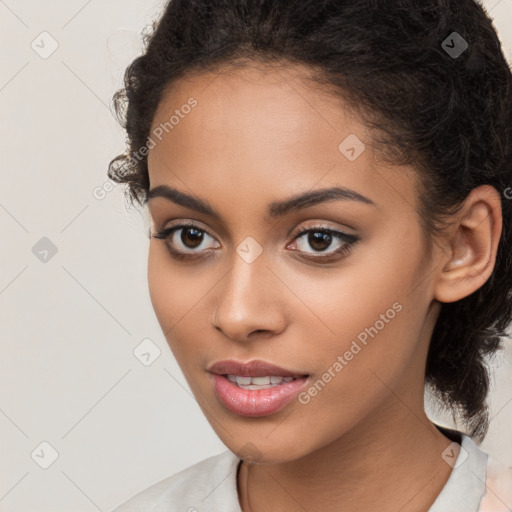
(476, 484)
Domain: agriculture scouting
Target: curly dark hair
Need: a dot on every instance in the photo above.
(449, 115)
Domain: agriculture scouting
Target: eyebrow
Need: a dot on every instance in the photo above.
(275, 209)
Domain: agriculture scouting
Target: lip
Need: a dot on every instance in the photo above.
(254, 368)
(255, 402)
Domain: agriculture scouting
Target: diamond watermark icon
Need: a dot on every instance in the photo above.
(44, 250)
(147, 352)
(44, 45)
(452, 457)
(249, 249)
(352, 147)
(454, 45)
(44, 455)
(249, 452)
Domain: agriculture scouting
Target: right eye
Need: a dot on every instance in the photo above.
(184, 240)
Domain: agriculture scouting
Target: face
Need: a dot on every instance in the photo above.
(332, 289)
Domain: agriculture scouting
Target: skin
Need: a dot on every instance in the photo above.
(261, 134)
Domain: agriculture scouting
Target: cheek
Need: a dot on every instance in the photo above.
(178, 296)
(366, 376)
(355, 372)
(364, 294)
(160, 287)
(171, 290)
(369, 318)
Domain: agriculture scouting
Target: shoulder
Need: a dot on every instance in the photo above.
(207, 485)
(498, 495)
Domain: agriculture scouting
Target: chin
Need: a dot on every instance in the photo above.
(266, 452)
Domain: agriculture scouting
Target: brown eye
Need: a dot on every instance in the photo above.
(320, 239)
(191, 237)
(191, 242)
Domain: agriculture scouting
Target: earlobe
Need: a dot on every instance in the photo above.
(471, 254)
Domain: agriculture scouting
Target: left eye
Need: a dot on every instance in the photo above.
(320, 239)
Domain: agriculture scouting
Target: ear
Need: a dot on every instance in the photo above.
(471, 248)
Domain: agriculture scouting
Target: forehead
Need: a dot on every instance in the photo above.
(266, 129)
(280, 98)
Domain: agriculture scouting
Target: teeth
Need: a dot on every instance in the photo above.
(268, 381)
(260, 380)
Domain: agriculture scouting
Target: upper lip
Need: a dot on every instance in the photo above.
(255, 368)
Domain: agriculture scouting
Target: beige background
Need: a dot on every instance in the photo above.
(69, 325)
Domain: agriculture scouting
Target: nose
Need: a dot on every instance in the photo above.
(250, 302)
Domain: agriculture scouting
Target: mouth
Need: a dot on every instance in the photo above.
(256, 388)
(254, 369)
(264, 382)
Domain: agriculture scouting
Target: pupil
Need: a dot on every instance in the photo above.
(319, 238)
(196, 237)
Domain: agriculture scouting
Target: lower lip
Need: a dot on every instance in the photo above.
(257, 402)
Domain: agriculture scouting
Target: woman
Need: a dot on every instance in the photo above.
(328, 188)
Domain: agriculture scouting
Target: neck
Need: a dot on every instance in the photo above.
(387, 465)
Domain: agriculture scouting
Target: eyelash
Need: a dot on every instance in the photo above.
(344, 250)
